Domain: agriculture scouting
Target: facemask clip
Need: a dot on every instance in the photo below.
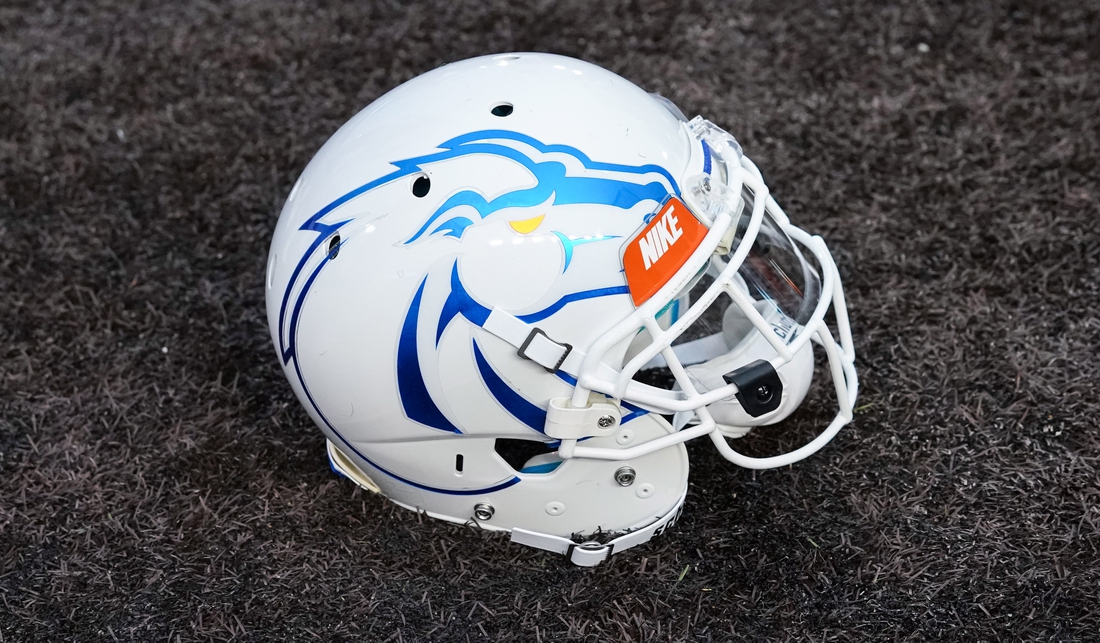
(567, 422)
(759, 389)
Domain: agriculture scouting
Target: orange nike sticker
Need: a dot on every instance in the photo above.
(654, 255)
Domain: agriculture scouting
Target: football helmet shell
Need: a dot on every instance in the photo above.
(485, 257)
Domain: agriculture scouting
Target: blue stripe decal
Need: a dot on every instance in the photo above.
(635, 412)
(459, 301)
(570, 298)
(287, 350)
(513, 402)
(323, 230)
(567, 244)
(546, 467)
(567, 378)
(706, 157)
(564, 149)
(415, 398)
(296, 313)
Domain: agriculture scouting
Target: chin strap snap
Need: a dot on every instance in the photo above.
(590, 554)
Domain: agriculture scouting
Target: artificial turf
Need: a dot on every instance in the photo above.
(160, 482)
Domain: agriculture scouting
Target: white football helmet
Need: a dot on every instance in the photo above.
(469, 275)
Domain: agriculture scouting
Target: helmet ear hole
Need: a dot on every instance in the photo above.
(502, 110)
(517, 453)
(421, 186)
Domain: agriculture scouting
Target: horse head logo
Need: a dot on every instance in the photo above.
(546, 208)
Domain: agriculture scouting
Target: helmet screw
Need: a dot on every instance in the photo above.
(606, 421)
(706, 184)
(764, 393)
(625, 476)
(484, 511)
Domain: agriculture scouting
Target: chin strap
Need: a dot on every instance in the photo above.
(533, 343)
(590, 554)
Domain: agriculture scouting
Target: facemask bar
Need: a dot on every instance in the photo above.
(720, 205)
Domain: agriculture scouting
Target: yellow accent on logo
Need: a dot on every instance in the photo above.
(527, 226)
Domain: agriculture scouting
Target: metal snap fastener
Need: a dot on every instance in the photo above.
(484, 511)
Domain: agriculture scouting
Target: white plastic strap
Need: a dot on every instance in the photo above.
(592, 554)
(696, 351)
(530, 341)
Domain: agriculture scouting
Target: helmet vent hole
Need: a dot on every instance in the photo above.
(333, 247)
(458, 463)
(502, 110)
(421, 186)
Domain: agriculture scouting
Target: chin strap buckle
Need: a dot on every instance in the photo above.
(539, 348)
(532, 342)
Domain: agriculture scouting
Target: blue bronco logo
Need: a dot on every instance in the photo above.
(563, 176)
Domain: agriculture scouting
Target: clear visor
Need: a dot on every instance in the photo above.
(784, 287)
(774, 272)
